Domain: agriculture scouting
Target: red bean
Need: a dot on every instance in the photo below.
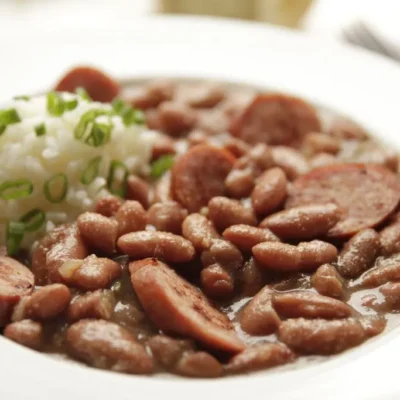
(199, 365)
(200, 231)
(176, 118)
(385, 270)
(97, 305)
(240, 182)
(321, 336)
(316, 143)
(304, 222)
(269, 192)
(108, 206)
(225, 212)
(167, 217)
(176, 306)
(358, 254)
(306, 304)
(346, 129)
(327, 281)
(372, 325)
(259, 317)
(139, 190)
(389, 238)
(292, 162)
(245, 237)
(315, 253)
(164, 245)
(131, 217)
(276, 119)
(48, 302)
(162, 146)
(204, 95)
(366, 194)
(27, 332)
(99, 232)
(216, 281)
(259, 356)
(251, 278)
(199, 175)
(99, 86)
(106, 345)
(151, 95)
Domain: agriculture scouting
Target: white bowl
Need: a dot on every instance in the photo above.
(350, 82)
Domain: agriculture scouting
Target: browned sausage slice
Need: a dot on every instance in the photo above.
(276, 119)
(99, 86)
(16, 281)
(176, 306)
(366, 194)
(199, 175)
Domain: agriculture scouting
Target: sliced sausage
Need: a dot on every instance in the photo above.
(225, 212)
(91, 273)
(259, 317)
(199, 175)
(321, 336)
(164, 245)
(104, 344)
(276, 119)
(27, 332)
(327, 281)
(269, 192)
(167, 217)
(304, 222)
(366, 194)
(99, 232)
(200, 231)
(99, 86)
(245, 237)
(131, 217)
(139, 190)
(385, 270)
(199, 364)
(48, 302)
(291, 161)
(16, 281)
(63, 244)
(358, 254)
(176, 306)
(259, 356)
(97, 305)
(306, 304)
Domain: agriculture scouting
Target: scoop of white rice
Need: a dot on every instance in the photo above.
(25, 155)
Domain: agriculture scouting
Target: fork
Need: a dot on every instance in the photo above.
(361, 35)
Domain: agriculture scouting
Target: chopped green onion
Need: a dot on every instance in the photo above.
(91, 171)
(9, 117)
(117, 185)
(17, 189)
(161, 165)
(55, 188)
(82, 93)
(132, 116)
(40, 129)
(55, 104)
(15, 234)
(118, 105)
(71, 104)
(91, 132)
(33, 220)
(2, 129)
(24, 98)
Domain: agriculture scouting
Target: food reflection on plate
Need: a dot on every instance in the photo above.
(196, 228)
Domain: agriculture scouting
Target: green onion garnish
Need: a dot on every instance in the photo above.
(91, 171)
(2, 129)
(33, 220)
(118, 105)
(82, 93)
(161, 165)
(24, 98)
(15, 234)
(55, 188)
(117, 178)
(91, 132)
(55, 104)
(40, 129)
(9, 117)
(17, 189)
(71, 104)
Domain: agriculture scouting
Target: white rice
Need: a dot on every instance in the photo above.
(25, 155)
